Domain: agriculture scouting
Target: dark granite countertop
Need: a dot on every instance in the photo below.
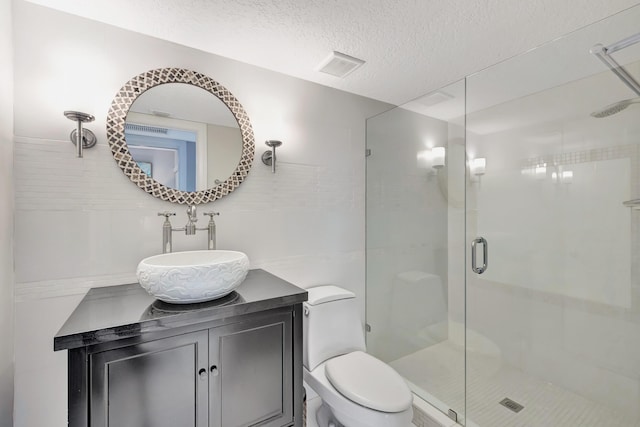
(116, 312)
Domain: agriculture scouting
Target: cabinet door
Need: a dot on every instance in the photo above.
(161, 383)
(252, 366)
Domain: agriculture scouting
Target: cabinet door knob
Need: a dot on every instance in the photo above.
(214, 370)
(203, 374)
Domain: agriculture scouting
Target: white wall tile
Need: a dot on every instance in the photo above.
(82, 223)
(41, 374)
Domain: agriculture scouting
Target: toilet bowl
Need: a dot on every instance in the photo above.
(357, 390)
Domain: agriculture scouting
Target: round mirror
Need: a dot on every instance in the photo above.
(180, 136)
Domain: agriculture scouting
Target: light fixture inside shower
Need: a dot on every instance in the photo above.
(562, 177)
(438, 157)
(478, 166)
(431, 158)
(540, 171)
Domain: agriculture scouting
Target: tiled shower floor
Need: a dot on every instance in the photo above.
(439, 370)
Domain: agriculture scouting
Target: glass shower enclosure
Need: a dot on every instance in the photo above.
(503, 236)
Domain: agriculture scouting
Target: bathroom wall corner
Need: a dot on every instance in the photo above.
(6, 214)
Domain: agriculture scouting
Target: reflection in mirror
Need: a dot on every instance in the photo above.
(183, 137)
(213, 187)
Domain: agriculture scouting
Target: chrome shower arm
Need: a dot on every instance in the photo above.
(604, 54)
(631, 40)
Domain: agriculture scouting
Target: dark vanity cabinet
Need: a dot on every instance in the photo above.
(153, 383)
(231, 362)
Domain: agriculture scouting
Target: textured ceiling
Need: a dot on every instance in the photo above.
(410, 47)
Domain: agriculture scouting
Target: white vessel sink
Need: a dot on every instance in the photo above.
(195, 276)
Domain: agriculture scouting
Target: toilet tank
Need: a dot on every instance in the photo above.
(331, 325)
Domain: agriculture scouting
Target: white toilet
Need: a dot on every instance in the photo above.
(357, 390)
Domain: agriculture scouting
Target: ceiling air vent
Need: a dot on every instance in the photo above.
(339, 65)
(132, 127)
(434, 98)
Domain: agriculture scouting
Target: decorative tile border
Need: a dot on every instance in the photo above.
(115, 134)
(585, 156)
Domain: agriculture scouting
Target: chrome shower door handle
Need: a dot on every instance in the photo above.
(485, 255)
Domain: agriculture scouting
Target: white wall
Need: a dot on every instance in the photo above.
(81, 223)
(224, 149)
(6, 215)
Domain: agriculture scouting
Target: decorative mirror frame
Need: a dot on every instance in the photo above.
(115, 134)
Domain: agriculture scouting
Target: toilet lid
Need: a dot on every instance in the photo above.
(369, 382)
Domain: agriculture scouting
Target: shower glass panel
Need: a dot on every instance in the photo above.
(415, 244)
(553, 324)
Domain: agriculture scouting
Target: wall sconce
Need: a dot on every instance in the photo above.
(562, 177)
(437, 157)
(567, 177)
(88, 138)
(269, 156)
(478, 166)
(431, 158)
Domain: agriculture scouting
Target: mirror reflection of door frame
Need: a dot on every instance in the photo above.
(175, 168)
(200, 129)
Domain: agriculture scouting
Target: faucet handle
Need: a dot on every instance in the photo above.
(166, 214)
(211, 214)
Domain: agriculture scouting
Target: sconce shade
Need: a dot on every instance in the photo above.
(82, 138)
(438, 156)
(77, 116)
(478, 166)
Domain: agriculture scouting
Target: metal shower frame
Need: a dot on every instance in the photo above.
(604, 54)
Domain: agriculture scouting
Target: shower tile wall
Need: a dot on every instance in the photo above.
(560, 298)
(81, 223)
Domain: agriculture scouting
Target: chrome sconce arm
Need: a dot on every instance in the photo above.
(85, 136)
(269, 156)
(634, 204)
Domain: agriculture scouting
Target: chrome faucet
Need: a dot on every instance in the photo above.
(167, 240)
(189, 229)
(211, 230)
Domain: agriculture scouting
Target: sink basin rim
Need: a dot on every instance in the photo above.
(212, 254)
(192, 276)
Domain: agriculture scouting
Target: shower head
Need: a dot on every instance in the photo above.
(614, 108)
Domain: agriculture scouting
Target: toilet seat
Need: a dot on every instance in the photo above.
(369, 382)
(348, 412)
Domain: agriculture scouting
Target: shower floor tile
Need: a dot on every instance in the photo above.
(439, 370)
